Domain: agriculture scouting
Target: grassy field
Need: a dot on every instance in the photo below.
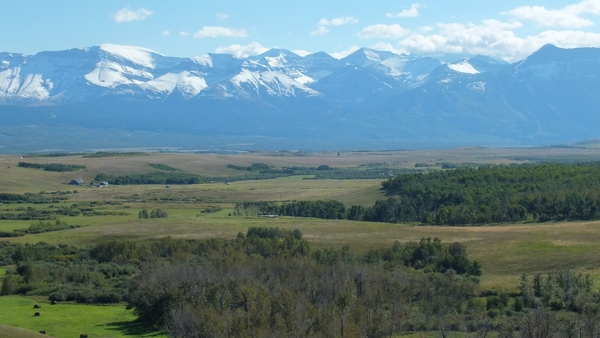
(96, 321)
(505, 251)
(14, 179)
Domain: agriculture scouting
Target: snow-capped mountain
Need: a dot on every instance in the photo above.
(551, 96)
(134, 72)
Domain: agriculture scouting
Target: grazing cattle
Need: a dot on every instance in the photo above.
(53, 302)
(83, 335)
(37, 306)
(43, 331)
(37, 314)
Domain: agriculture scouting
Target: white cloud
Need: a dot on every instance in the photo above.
(166, 33)
(485, 38)
(493, 38)
(218, 32)
(569, 16)
(240, 51)
(301, 52)
(222, 16)
(383, 46)
(394, 31)
(320, 31)
(343, 54)
(182, 33)
(413, 12)
(126, 15)
(337, 21)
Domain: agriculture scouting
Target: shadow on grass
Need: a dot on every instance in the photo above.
(133, 328)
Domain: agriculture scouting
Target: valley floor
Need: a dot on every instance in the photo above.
(505, 251)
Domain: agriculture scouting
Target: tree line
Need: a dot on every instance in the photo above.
(40, 227)
(88, 275)
(467, 196)
(56, 167)
(9, 198)
(494, 194)
(151, 178)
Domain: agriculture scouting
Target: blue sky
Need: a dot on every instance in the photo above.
(507, 29)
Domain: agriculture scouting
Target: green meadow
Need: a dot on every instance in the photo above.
(69, 320)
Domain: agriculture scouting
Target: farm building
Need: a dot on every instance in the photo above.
(77, 181)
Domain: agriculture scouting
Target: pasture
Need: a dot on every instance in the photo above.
(505, 251)
(69, 320)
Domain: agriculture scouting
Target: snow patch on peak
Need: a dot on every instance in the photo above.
(477, 86)
(395, 65)
(204, 60)
(275, 83)
(138, 55)
(187, 83)
(463, 67)
(372, 55)
(111, 74)
(277, 61)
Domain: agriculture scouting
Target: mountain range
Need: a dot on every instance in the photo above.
(112, 96)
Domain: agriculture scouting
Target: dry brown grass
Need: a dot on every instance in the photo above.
(13, 332)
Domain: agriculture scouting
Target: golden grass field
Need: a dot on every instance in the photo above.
(505, 251)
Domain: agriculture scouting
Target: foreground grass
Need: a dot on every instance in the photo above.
(14, 332)
(69, 320)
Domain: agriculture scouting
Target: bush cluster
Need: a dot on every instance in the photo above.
(156, 213)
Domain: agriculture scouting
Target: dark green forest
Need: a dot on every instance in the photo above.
(467, 196)
(151, 178)
(56, 167)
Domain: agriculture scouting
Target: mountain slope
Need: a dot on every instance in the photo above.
(369, 97)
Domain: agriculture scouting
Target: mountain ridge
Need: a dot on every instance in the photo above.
(368, 96)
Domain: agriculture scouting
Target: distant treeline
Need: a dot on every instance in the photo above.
(152, 178)
(57, 167)
(253, 167)
(322, 172)
(29, 198)
(96, 154)
(53, 155)
(467, 196)
(114, 154)
(494, 194)
(317, 209)
(40, 227)
(172, 177)
(160, 166)
(52, 213)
